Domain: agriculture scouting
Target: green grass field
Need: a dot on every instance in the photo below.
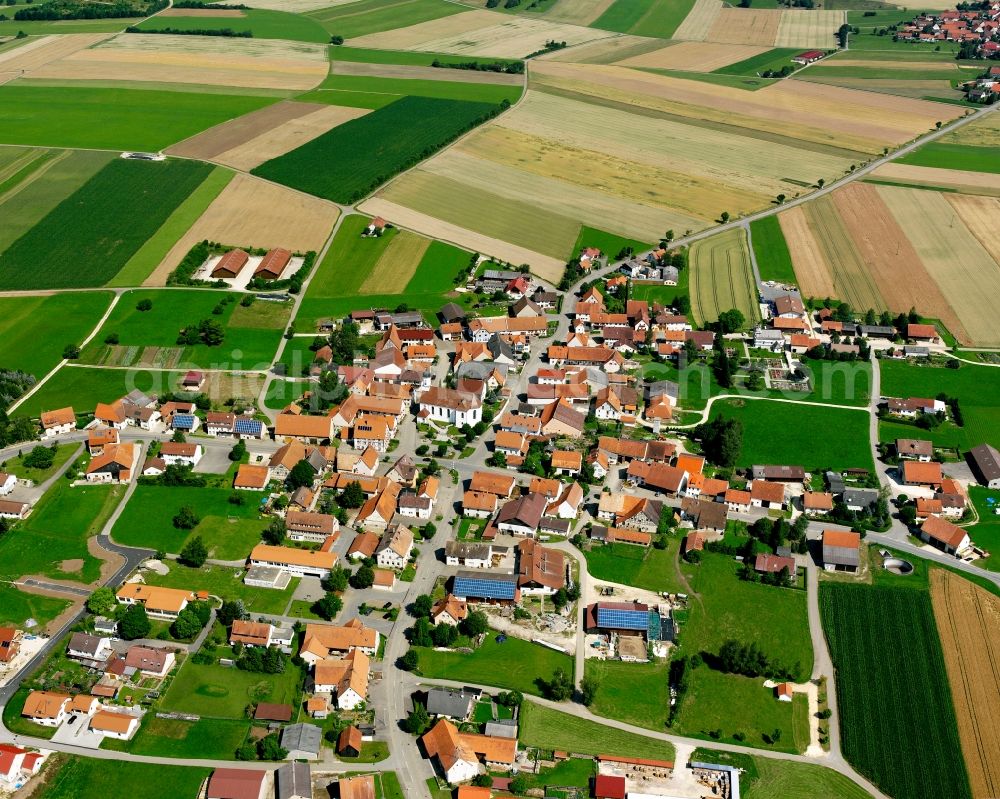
(79, 777)
(16, 607)
(364, 153)
(227, 583)
(551, 729)
(636, 693)
(658, 18)
(514, 664)
(52, 541)
(773, 59)
(137, 119)
(955, 156)
(34, 330)
(897, 720)
(975, 387)
(199, 740)
(83, 388)
(229, 531)
(364, 55)
(814, 437)
(770, 778)
(92, 234)
(263, 23)
(246, 345)
(374, 16)
(215, 691)
(652, 569)
(773, 258)
(986, 532)
(729, 703)
(731, 608)
(16, 465)
(27, 204)
(383, 91)
(150, 254)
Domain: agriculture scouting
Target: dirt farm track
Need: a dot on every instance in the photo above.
(968, 621)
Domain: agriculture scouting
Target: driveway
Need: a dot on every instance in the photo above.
(215, 460)
(77, 734)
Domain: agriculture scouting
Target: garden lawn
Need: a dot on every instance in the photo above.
(250, 347)
(726, 607)
(16, 465)
(636, 693)
(897, 720)
(362, 154)
(216, 691)
(514, 664)
(227, 583)
(282, 392)
(652, 569)
(552, 729)
(82, 777)
(576, 771)
(114, 119)
(815, 437)
(83, 388)
(771, 251)
(205, 739)
(986, 532)
(955, 156)
(17, 606)
(729, 703)
(57, 531)
(975, 388)
(34, 330)
(150, 254)
(263, 23)
(91, 235)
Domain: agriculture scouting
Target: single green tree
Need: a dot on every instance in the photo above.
(194, 553)
(134, 623)
(102, 602)
(186, 519)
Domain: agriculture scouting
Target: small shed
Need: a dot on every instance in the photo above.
(349, 742)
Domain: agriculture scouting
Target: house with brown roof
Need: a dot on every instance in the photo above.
(922, 473)
(767, 563)
(449, 610)
(149, 660)
(394, 548)
(378, 510)
(459, 754)
(560, 419)
(914, 449)
(159, 601)
(540, 570)
(61, 420)
(816, 503)
(985, 462)
(252, 477)
(99, 437)
(345, 679)
(567, 461)
(230, 264)
(297, 562)
(567, 504)
(738, 501)
(764, 494)
(944, 535)
(236, 783)
(273, 264)
(46, 708)
(363, 546)
(115, 464)
(521, 515)
(841, 550)
(500, 485)
(310, 526)
(704, 515)
(362, 787)
(250, 633)
(325, 640)
(349, 743)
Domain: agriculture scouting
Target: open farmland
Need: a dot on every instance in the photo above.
(253, 213)
(262, 23)
(955, 156)
(818, 239)
(844, 444)
(773, 259)
(968, 619)
(711, 21)
(897, 719)
(987, 183)
(984, 132)
(966, 273)
(363, 17)
(721, 278)
(90, 235)
(24, 60)
(397, 265)
(809, 28)
(845, 121)
(578, 12)
(131, 119)
(250, 140)
(645, 17)
(481, 33)
(693, 56)
(754, 26)
(25, 202)
(213, 60)
(365, 152)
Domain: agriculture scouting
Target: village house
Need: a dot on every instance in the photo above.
(394, 548)
(451, 406)
(459, 754)
(162, 602)
(345, 679)
(520, 516)
(309, 526)
(321, 641)
(296, 562)
(115, 464)
(449, 610)
(54, 423)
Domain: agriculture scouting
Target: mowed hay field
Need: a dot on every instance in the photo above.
(213, 60)
(397, 264)
(251, 140)
(968, 620)
(722, 278)
(481, 33)
(24, 60)
(963, 180)
(254, 213)
(711, 21)
(844, 120)
(693, 56)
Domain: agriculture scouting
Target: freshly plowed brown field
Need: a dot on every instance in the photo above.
(902, 279)
(968, 621)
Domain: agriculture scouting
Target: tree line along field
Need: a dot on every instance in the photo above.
(88, 237)
(365, 152)
(722, 278)
(881, 246)
(897, 720)
(131, 119)
(968, 618)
